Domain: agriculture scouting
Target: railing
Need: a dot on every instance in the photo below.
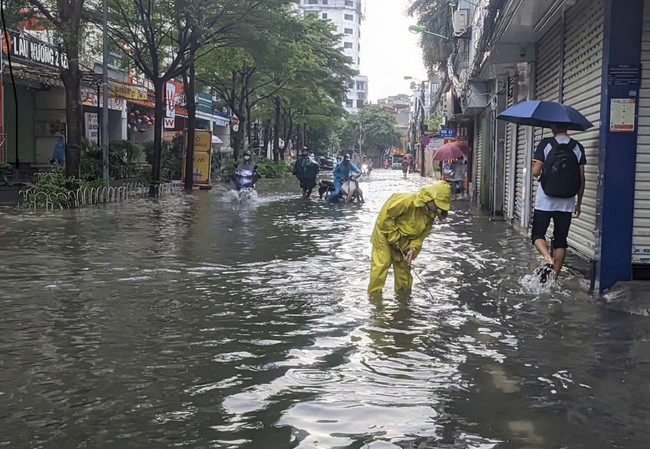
(34, 199)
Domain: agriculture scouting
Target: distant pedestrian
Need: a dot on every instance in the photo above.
(406, 163)
(559, 162)
(58, 152)
(457, 175)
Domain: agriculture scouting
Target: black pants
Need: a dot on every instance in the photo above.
(561, 225)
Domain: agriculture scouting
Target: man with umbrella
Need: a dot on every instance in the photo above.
(559, 162)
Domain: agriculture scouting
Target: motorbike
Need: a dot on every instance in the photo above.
(325, 188)
(244, 183)
(366, 170)
(350, 191)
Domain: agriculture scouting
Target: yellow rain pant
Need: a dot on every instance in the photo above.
(383, 256)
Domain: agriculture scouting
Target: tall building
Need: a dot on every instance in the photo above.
(347, 15)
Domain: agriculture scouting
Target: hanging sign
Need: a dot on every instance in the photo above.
(170, 106)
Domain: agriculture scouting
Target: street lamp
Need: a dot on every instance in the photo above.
(415, 29)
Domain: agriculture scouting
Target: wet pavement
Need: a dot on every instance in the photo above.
(199, 322)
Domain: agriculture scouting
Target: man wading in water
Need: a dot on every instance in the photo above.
(559, 162)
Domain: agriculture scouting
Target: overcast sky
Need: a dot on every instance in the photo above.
(388, 50)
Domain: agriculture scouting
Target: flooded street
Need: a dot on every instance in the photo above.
(199, 322)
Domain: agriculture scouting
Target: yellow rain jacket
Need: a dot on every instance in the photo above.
(402, 225)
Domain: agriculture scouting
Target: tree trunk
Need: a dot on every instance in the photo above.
(74, 115)
(190, 105)
(276, 131)
(159, 118)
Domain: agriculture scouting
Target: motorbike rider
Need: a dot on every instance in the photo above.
(247, 164)
(341, 172)
(306, 170)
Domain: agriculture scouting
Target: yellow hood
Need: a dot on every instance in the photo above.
(440, 192)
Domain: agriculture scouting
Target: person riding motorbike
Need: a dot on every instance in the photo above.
(341, 172)
(247, 164)
(306, 170)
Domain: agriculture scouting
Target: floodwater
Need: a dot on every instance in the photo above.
(198, 322)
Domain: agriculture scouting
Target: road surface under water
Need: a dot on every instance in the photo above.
(195, 321)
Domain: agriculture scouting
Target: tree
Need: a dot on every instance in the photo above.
(436, 15)
(65, 16)
(377, 126)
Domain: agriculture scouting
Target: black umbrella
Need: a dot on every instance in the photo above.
(545, 114)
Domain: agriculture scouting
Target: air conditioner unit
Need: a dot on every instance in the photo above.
(461, 20)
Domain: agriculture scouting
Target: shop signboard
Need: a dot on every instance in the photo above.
(128, 92)
(27, 48)
(204, 103)
(202, 157)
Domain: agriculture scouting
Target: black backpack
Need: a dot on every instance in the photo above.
(561, 176)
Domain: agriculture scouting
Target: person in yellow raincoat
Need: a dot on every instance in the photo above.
(401, 227)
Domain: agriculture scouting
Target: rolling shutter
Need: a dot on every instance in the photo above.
(641, 233)
(510, 157)
(479, 156)
(583, 49)
(520, 172)
(583, 69)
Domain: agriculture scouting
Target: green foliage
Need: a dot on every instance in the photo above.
(4, 173)
(171, 158)
(376, 126)
(54, 182)
(270, 169)
(265, 167)
(122, 157)
(436, 15)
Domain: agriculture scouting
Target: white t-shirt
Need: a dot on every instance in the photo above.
(553, 204)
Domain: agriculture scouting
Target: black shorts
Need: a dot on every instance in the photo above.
(561, 225)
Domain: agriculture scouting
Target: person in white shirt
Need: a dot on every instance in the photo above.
(559, 162)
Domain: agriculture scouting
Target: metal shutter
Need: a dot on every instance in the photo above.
(478, 173)
(547, 84)
(510, 158)
(522, 147)
(641, 234)
(583, 67)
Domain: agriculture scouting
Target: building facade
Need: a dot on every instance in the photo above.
(347, 15)
(591, 55)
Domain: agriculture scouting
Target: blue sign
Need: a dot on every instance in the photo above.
(447, 132)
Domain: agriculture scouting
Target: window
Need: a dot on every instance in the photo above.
(349, 104)
(347, 45)
(349, 17)
(359, 104)
(349, 3)
(351, 85)
(361, 85)
(324, 16)
(312, 2)
(349, 31)
(324, 2)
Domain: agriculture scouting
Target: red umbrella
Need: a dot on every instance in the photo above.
(451, 150)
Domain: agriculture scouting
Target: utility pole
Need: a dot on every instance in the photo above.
(422, 145)
(105, 159)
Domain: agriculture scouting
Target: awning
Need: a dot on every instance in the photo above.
(216, 140)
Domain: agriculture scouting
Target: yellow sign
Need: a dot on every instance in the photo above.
(202, 157)
(202, 140)
(126, 91)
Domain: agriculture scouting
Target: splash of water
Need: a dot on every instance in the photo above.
(249, 196)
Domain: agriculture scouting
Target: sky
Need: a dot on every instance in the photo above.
(389, 51)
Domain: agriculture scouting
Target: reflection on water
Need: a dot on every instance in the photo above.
(203, 322)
